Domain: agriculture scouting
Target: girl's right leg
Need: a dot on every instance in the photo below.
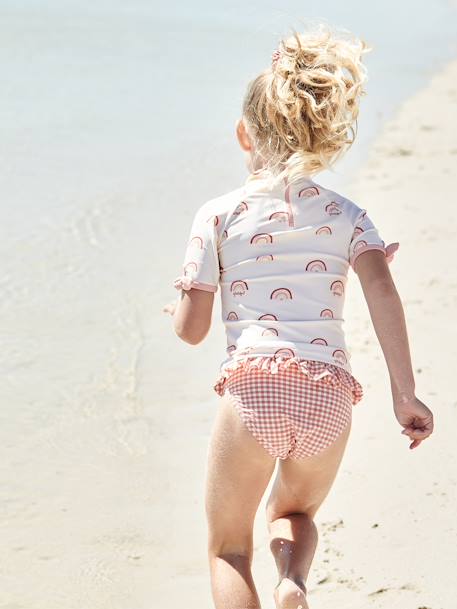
(298, 490)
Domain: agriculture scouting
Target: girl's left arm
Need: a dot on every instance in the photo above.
(192, 314)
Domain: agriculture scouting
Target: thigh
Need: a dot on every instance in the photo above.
(238, 472)
(302, 485)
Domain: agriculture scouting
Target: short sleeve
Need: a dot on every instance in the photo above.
(366, 237)
(201, 260)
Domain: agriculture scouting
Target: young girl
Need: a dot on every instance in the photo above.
(280, 247)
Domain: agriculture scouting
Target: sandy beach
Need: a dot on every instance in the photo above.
(105, 446)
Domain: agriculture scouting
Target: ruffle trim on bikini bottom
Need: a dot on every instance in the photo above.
(313, 369)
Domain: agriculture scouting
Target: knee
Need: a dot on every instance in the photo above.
(239, 560)
(273, 513)
(230, 549)
(294, 522)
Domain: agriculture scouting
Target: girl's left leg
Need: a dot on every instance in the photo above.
(239, 470)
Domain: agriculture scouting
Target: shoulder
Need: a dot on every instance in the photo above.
(350, 210)
(221, 204)
(215, 211)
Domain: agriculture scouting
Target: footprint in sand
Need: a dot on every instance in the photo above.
(401, 152)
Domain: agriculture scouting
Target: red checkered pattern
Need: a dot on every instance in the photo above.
(290, 414)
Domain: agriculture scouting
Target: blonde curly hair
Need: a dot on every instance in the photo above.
(301, 113)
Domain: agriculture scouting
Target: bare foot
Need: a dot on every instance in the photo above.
(290, 595)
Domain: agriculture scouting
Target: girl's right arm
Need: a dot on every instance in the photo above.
(387, 315)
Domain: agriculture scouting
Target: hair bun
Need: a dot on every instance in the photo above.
(301, 111)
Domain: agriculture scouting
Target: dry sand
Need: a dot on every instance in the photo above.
(102, 495)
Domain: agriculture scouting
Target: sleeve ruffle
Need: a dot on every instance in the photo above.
(183, 282)
(388, 250)
(313, 369)
(186, 282)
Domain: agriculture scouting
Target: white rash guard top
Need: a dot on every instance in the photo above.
(281, 253)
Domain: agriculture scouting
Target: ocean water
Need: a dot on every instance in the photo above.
(103, 98)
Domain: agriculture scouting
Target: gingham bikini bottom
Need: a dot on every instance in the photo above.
(293, 407)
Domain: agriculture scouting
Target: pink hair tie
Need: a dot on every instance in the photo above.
(275, 57)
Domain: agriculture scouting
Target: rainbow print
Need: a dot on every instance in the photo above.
(232, 316)
(268, 316)
(240, 208)
(324, 230)
(284, 352)
(332, 209)
(316, 266)
(310, 191)
(319, 341)
(281, 294)
(270, 332)
(196, 242)
(239, 288)
(357, 231)
(340, 356)
(360, 245)
(337, 288)
(281, 216)
(327, 313)
(190, 266)
(264, 258)
(261, 238)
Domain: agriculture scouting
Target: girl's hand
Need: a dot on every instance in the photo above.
(170, 307)
(416, 419)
